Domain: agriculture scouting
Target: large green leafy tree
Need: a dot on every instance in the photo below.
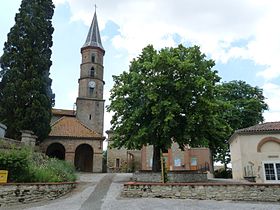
(26, 97)
(242, 105)
(165, 97)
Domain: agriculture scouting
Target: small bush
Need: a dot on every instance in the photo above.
(27, 166)
(47, 169)
(222, 173)
(16, 162)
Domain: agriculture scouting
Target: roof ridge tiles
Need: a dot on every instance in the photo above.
(266, 126)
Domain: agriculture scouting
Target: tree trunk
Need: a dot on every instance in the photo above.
(211, 165)
(156, 159)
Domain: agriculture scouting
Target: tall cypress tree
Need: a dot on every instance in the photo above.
(26, 98)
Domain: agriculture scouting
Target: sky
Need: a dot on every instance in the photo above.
(242, 36)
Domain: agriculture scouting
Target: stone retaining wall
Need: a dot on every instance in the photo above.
(6, 143)
(204, 191)
(173, 176)
(15, 193)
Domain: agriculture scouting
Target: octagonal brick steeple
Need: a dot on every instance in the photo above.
(90, 102)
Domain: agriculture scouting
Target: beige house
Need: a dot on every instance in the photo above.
(255, 153)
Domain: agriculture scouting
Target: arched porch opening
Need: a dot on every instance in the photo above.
(84, 158)
(56, 150)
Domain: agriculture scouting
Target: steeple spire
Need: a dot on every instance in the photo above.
(93, 37)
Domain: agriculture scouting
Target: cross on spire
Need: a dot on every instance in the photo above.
(95, 7)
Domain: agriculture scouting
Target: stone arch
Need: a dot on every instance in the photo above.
(56, 150)
(265, 140)
(84, 158)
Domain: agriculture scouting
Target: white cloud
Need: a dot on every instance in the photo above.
(104, 38)
(72, 95)
(271, 116)
(119, 56)
(265, 49)
(214, 25)
(271, 72)
(58, 2)
(272, 94)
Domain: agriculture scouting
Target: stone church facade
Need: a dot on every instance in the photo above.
(77, 136)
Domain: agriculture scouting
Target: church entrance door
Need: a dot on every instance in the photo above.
(84, 158)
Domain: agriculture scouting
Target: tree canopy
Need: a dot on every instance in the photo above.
(166, 96)
(242, 105)
(246, 104)
(26, 97)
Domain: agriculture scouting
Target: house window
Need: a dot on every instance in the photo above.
(272, 171)
(193, 161)
(92, 72)
(177, 162)
(277, 167)
(117, 163)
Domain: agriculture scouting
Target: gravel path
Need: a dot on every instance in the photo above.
(101, 191)
(94, 201)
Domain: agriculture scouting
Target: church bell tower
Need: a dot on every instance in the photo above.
(90, 102)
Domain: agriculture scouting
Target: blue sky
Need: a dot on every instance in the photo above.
(241, 35)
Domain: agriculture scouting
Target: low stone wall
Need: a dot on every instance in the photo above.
(204, 191)
(27, 139)
(173, 176)
(15, 193)
(6, 143)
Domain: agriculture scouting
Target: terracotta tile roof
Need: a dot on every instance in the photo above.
(264, 127)
(71, 127)
(63, 112)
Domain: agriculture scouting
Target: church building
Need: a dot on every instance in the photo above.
(77, 135)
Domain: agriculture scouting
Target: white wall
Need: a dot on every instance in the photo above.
(244, 153)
